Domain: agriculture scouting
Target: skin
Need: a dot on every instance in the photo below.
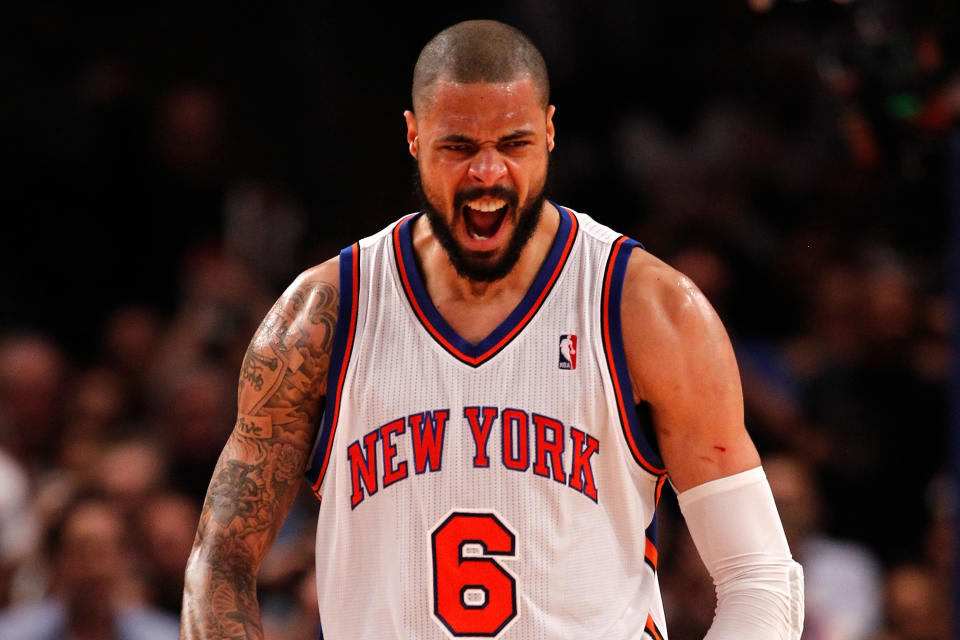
(91, 569)
(466, 135)
(681, 362)
(282, 383)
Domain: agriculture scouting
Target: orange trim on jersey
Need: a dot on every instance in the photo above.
(438, 336)
(650, 553)
(651, 628)
(355, 300)
(621, 405)
(662, 480)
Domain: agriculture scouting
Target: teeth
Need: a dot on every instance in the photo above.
(477, 236)
(487, 206)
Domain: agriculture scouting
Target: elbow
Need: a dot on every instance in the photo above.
(195, 578)
(196, 572)
(759, 596)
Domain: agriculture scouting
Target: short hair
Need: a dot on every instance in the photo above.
(479, 51)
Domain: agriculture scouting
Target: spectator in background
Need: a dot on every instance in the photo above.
(32, 375)
(96, 407)
(843, 579)
(130, 349)
(165, 528)
(860, 391)
(130, 472)
(301, 620)
(17, 524)
(916, 605)
(194, 410)
(222, 303)
(91, 597)
(688, 593)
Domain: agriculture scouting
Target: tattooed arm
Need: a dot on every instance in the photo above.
(282, 383)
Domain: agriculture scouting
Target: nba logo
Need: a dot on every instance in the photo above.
(568, 351)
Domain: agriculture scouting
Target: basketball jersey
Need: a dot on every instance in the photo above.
(502, 489)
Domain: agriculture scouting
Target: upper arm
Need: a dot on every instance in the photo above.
(283, 375)
(682, 363)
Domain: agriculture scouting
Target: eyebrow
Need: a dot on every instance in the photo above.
(456, 137)
(519, 133)
(514, 135)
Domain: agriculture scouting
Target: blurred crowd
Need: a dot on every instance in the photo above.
(790, 157)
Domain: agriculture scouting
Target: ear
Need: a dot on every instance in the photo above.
(550, 130)
(412, 141)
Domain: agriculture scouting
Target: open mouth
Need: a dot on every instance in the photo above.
(483, 218)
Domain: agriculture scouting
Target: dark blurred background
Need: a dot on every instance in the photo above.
(169, 169)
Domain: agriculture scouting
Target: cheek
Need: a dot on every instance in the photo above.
(433, 186)
(443, 179)
(530, 178)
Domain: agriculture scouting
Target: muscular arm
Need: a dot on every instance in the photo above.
(681, 362)
(282, 382)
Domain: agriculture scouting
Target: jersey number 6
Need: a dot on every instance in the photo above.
(473, 595)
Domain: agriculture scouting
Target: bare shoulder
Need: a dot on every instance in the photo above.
(293, 343)
(665, 315)
(320, 283)
(312, 300)
(328, 272)
(681, 362)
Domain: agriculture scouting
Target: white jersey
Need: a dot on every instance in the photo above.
(499, 490)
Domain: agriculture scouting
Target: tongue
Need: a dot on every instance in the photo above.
(483, 223)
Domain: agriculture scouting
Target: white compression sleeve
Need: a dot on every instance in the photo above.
(735, 526)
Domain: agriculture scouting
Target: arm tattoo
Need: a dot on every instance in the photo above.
(282, 381)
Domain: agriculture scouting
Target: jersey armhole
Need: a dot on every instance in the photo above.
(343, 337)
(640, 447)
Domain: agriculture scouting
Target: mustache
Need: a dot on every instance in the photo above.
(473, 193)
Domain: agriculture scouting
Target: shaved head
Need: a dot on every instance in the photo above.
(478, 51)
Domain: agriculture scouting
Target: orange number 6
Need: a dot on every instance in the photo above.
(473, 595)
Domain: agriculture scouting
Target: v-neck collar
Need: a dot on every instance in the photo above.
(423, 307)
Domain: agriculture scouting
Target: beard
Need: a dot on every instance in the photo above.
(479, 266)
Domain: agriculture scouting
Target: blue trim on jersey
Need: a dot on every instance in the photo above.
(515, 317)
(651, 531)
(349, 259)
(619, 352)
(651, 534)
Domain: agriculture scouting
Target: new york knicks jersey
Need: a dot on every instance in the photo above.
(502, 489)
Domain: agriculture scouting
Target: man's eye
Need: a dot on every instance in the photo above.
(517, 144)
(459, 148)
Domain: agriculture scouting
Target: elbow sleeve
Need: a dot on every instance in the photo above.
(737, 532)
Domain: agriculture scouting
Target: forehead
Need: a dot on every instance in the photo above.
(475, 107)
(92, 523)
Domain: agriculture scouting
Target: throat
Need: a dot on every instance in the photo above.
(472, 320)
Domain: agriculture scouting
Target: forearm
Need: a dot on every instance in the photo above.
(760, 599)
(250, 494)
(734, 524)
(219, 598)
(243, 508)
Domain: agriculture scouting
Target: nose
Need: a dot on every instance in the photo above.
(487, 166)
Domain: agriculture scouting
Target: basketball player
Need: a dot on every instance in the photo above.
(463, 387)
